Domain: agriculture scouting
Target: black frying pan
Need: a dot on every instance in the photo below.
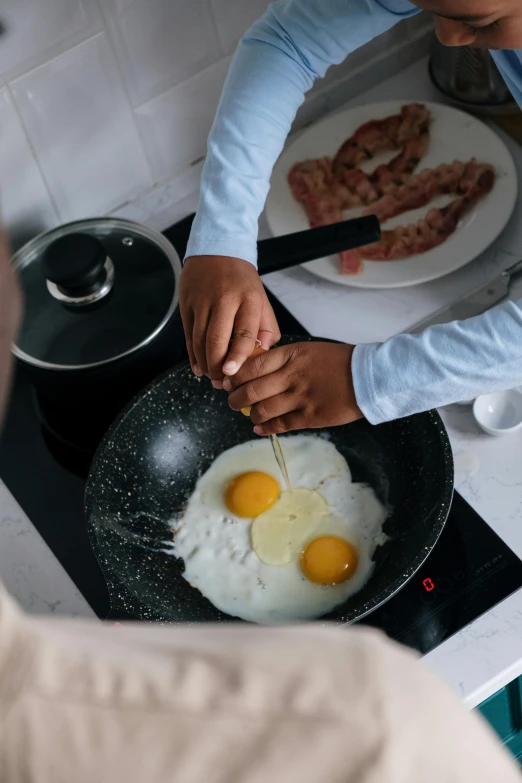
(148, 463)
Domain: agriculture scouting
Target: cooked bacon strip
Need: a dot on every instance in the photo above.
(381, 135)
(310, 176)
(352, 263)
(322, 209)
(432, 230)
(400, 169)
(313, 184)
(311, 180)
(325, 188)
(355, 188)
(421, 188)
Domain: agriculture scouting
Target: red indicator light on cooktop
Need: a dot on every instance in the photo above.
(428, 585)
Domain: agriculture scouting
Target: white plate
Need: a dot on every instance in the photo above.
(454, 135)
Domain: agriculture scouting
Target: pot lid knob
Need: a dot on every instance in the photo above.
(77, 270)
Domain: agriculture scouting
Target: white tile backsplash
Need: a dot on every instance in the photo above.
(175, 126)
(34, 28)
(108, 102)
(25, 203)
(160, 42)
(233, 17)
(82, 130)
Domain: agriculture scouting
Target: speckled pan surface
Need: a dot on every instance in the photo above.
(148, 464)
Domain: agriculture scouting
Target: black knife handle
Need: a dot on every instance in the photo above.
(292, 249)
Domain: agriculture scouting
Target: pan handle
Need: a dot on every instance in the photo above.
(292, 249)
(289, 250)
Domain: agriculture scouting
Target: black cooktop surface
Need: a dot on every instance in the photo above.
(469, 571)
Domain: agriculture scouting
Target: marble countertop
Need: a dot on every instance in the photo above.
(29, 569)
(486, 654)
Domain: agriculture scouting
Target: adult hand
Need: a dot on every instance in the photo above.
(224, 309)
(297, 386)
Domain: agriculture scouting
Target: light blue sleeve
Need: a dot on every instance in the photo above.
(509, 64)
(276, 62)
(412, 373)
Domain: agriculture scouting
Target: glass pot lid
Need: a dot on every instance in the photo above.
(95, 290)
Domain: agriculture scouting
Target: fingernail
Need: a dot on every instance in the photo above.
(217, 384)
(227, 384)
(197, 370)
(230, 368)
(258, 430)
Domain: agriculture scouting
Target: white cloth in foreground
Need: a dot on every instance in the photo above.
(88, 702)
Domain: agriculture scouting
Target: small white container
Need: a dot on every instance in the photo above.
(499, 413)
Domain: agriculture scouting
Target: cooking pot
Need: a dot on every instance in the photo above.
(102, 317)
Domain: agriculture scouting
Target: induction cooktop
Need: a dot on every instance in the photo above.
(468, 572)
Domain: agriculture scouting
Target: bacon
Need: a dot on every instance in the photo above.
(326, 187)
(311, 180)
(400, 169)
(310, 176)
(421, 188)
(324, 192)
(322, 209)
(382, 135)
(351, 262)
(477, 179)
(354, 188)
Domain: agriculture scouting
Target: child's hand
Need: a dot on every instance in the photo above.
(298, 386)
(224, 309)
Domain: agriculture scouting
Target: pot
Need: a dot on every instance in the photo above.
(102, 317)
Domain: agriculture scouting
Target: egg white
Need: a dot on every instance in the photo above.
(216, 548)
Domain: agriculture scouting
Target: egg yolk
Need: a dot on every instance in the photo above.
(328, 560)
(252, 493)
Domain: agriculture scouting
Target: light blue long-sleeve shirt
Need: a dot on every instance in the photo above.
(276, 62)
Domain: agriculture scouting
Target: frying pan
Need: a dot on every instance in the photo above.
(147, 465)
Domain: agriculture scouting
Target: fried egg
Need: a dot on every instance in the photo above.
(269, 556)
